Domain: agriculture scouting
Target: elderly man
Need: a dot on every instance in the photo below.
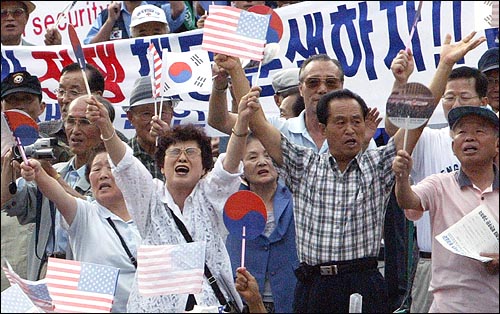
(488, 64)
(319, 74)
(148, 20)
(115, 21)
(459, 283)
(140, 113)
(15, 15)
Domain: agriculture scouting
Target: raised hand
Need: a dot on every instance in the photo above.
(372, 121)
(402, 66)
(402, 165)
(158, 127)
(97, 113)
(452, 53)
(52, 36)
(228, 63)
(249, 103)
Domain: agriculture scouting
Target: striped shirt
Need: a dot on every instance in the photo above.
(338, 216)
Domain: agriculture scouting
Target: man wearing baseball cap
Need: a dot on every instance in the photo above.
(115, 21)
(140, 113)
(22, 91)
(459, 283)
(488, 64)
(148, 20)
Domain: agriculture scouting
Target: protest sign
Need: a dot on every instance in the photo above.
(363, 36)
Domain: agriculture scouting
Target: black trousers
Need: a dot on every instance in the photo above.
(331, 294)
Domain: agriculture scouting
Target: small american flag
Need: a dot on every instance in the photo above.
(14, 300)
(156, 65)
(170, 269)
(36, 291)
(79, 287)
(235, 32)
(186, 72)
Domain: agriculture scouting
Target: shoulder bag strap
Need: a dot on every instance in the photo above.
(130, 256)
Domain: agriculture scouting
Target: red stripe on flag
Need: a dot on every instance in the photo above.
(221, 34)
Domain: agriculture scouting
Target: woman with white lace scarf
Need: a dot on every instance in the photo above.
(193, 192)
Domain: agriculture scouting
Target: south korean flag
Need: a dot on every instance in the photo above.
(186, 72)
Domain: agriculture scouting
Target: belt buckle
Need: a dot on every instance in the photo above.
(329, 270)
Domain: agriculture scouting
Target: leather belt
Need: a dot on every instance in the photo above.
(425, 254)
(305, 271)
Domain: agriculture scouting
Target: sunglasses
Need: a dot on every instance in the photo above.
(330, 82)
(17, 12)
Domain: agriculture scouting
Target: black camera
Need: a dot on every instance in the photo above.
(43, 148)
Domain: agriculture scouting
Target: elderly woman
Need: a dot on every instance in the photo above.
(193, 193)
(95, 227)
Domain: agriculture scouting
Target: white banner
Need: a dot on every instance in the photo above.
(363, 36)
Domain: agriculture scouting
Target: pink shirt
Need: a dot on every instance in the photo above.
(459, 283)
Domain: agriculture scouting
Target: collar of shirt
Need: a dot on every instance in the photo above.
(463, 179)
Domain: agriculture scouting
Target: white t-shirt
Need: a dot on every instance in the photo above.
(93, 240)
(432, 154)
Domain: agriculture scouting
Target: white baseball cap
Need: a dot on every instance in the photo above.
(147, 13)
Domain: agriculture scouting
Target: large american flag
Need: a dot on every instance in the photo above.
(170, 269)
(235, 32)
(36, 291)
(80, 287)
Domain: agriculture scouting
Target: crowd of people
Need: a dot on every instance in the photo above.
(331, 192)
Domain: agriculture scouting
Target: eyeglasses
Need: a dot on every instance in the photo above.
(492, 81)
(465, 98)
(17, 12)
(73, 93)
(147, 115)
(190, 152)
(72, 121)
(330, 82)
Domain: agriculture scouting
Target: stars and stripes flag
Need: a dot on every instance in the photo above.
(170, 269)
(36, 291)
(14, 300)
(186, 72)
(80, 287)
(156, 65)
(235, 32)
